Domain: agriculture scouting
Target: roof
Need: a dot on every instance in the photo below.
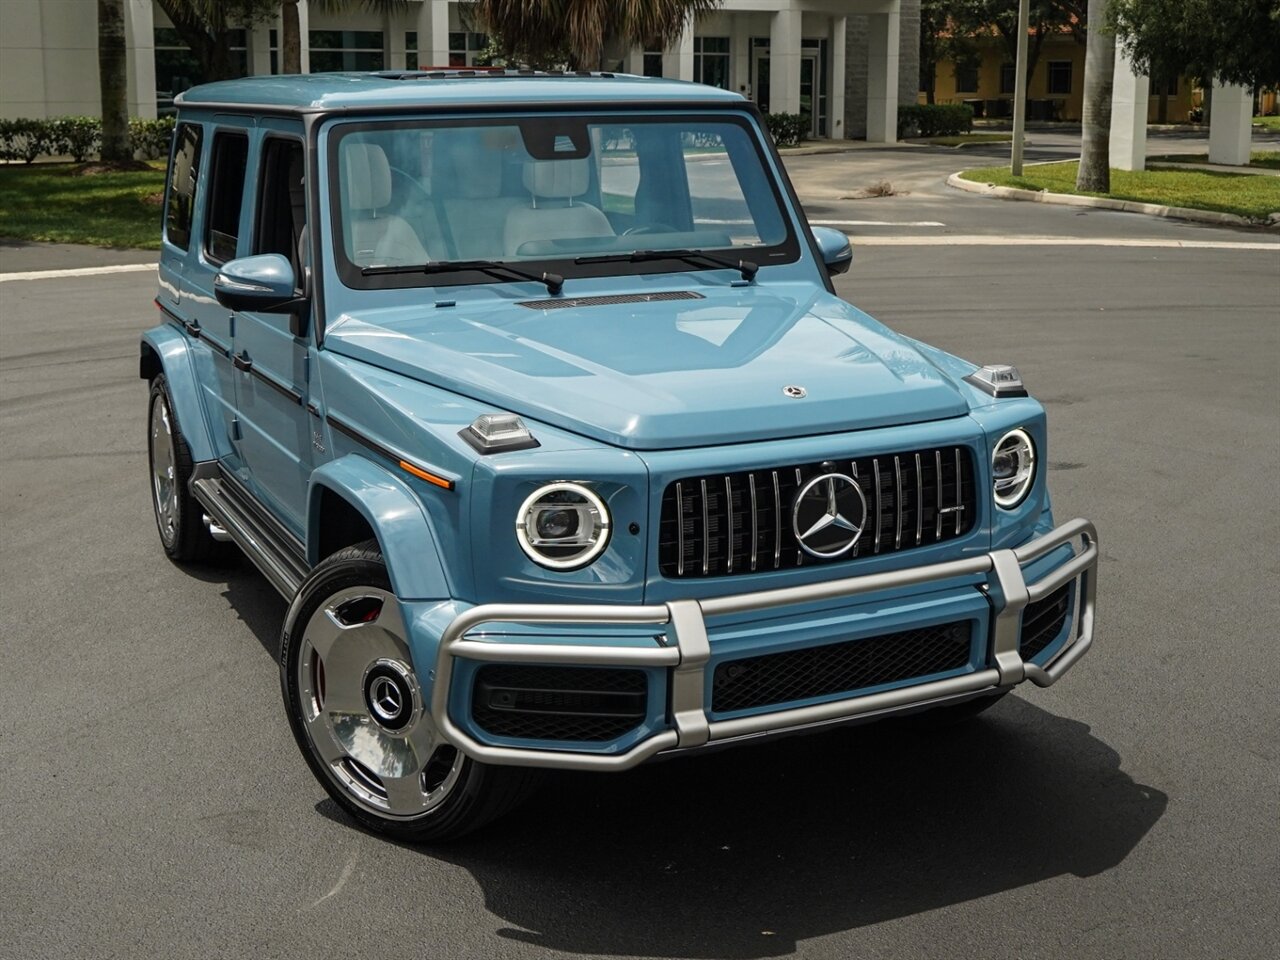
(318, 92)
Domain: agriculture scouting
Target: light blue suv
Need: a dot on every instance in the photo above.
(532, 394)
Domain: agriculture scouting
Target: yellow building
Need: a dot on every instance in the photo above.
(1056, 90)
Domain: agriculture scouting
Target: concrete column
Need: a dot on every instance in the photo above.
(304, 37)
(635, 61)
(1129, 93)
(393, 40)
(882, 77)
(785, 33)
(140, 39)
(433, 33)
(836, 81)
(739, 54)
(677, 61)
(260, 47)
(1230, 124)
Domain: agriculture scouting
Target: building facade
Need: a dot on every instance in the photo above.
(844, 65)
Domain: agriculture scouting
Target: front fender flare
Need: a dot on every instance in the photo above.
(396, 516)
(172, 350)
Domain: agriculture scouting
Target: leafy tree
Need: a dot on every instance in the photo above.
(942, 38)
(1234, 41)
(205, 27)
(544, 33)
(1094, 174)
(113, 80)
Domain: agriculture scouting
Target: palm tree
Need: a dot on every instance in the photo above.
(1099, 69)
(547, 32)
(290, 32)
(113, 79)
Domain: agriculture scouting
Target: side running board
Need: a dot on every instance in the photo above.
(272, 550)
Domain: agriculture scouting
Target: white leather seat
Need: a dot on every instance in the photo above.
(471, 184)
(552, 212)
(376, 238)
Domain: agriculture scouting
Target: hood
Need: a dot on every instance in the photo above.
(709, 369)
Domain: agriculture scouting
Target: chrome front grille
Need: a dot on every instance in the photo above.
(739, 523)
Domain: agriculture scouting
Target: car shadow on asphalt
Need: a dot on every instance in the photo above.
(744, 853)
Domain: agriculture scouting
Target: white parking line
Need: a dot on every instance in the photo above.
(984, 240)
(876, 223)
(78, 272)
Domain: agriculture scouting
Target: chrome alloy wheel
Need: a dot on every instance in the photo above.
(164, 482)
(363, 710)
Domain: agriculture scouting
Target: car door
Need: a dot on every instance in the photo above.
(272, 391)
(214, 239)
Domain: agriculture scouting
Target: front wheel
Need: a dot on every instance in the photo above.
(360, 717)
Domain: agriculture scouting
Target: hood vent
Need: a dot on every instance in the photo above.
(561, 303)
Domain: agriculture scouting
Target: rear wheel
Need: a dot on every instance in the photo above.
(179, 518)
(360, 717)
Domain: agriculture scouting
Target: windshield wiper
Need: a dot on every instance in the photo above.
(747, 268)
(501, 271)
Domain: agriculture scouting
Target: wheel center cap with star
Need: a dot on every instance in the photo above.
(828, 515)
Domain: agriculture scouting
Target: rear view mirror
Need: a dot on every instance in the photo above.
(264, 283)
(837, 254)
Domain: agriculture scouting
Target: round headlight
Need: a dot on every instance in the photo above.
(1013, 468)
(563, 526)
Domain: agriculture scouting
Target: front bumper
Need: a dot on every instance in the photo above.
(685, 650)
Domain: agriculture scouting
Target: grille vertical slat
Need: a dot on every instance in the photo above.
(704, 529)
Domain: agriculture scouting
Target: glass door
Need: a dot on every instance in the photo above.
(809, 93)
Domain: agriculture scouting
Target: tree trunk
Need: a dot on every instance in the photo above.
(113, 78)
(290, 38)
(1099, 72)
(1162, 106)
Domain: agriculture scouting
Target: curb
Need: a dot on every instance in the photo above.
(1104, 203)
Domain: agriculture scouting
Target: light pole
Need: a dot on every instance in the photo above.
(1020, 91)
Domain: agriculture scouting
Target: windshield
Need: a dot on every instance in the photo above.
(569, 194)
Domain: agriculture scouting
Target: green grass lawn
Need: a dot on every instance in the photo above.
(1258, 158)
(1246, 194)
(48, 201)
(1268, 123)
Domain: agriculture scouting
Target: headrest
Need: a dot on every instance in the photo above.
(477, 168)
(556, 178)
(368, 176)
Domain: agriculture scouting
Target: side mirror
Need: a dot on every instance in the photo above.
(264, 283)
(834, 246)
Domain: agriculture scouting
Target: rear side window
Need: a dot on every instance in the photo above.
(226, 193)
(184, 172)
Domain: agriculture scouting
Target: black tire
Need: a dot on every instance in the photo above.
(186, 539)
(939, 718)
(479, 792)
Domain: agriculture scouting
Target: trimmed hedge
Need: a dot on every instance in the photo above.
(787, 129)
(934, 119)
(79, 137)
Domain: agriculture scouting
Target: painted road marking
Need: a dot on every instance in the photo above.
(983, 240)
(78, 272)
(876, 223)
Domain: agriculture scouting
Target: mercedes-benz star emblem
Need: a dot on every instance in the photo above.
(795, 392)
(387, 701)
(828, 515)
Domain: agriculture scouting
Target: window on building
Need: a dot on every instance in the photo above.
(711, 61)
(177, 68)
(346, 50)
(411, 50)
(1059, 76)
(1168, 88)
(1008, 72)
(230, 156)
(652, 63)
(184, 172)
(468, 49)
(966, 77)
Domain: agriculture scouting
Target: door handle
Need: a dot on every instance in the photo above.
(241, 361)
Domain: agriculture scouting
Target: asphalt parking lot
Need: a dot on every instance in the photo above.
(154, 804)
